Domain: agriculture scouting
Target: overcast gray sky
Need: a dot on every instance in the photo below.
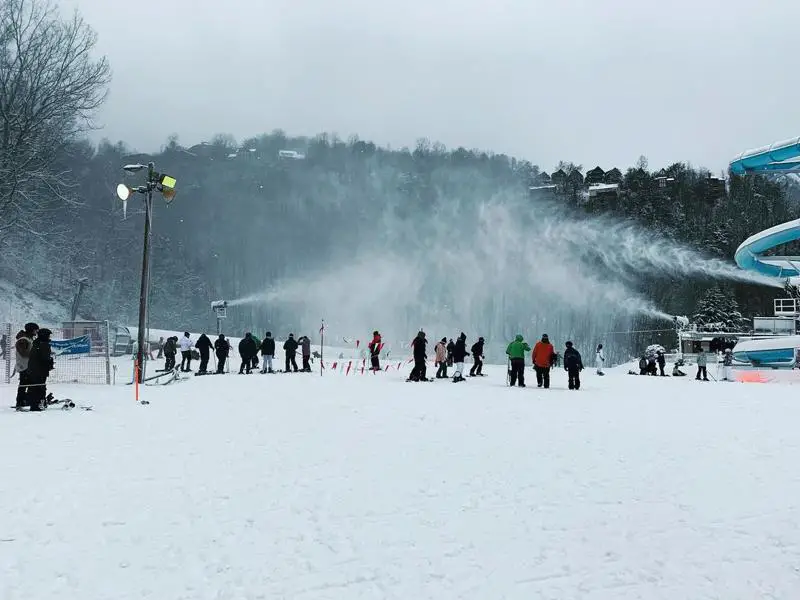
(596, 82)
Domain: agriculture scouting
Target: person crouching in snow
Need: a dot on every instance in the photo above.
(599, 359)
(573, 365)
(459, 354)
(375, 351)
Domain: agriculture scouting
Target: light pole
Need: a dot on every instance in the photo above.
(166, 185)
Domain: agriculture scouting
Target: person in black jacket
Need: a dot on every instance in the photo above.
(450, 347)
(290, 350)
(573, 365)
(419, 347)
(662, 362)
(247, 350)
(40, 364)
(477, 356)
(204, 346)
(267, 353)
(459, 354)
(170, 351)
(222, 348)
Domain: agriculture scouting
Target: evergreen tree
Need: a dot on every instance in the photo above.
(718, 311)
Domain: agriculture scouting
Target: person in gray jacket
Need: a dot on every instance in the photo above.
(702, 362)
(305, 347)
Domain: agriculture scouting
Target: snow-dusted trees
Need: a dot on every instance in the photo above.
(50, 86)
(718, 311)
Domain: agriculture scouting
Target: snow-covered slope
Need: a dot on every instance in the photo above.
(18, 306)
(309, 487)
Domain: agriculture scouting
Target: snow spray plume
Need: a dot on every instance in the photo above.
(629, 251)
(480, 262)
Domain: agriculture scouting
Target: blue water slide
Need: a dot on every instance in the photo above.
(749, 255)
(778, 157)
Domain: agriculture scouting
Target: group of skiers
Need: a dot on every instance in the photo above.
(250, 347)
(33, 363)
(543, 357)
(447, 354)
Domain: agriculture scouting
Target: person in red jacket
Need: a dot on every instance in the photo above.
(375, 347)
(543, 355)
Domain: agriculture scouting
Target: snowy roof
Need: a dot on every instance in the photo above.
(599, 188)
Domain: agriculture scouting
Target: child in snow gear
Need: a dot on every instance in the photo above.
(290, 350)
(459, 354)
(477, 356)
(23, 347)
(543, 356)
(40, 363)
(222, 348)
(450, 347)
(516, 353)
(702, 363)
(419, 348)
(186, 352)
(247, 348)
(441, 359)
(599, 359)
(375, 351)
(573, 365)
(267, 353)
(204, 346)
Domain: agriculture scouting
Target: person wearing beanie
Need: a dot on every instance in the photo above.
(573, 365)
(477, 357)
(40, 363)
(222, 347)
(267, 353)
(441, 359)
(543, 357)
(459, 354)
(290, 350)
(186, 352)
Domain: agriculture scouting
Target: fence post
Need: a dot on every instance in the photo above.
(108, 353)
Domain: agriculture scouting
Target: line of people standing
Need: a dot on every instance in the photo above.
(544, 358)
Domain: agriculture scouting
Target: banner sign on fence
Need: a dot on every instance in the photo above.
(78, 345)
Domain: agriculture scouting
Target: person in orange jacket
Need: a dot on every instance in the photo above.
(543, 356)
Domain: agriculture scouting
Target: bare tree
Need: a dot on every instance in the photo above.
(50, 88)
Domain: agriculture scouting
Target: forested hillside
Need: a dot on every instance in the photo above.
(246, 218)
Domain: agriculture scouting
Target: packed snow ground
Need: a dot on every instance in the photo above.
(301, 486)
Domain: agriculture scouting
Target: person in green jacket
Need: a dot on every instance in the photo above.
(516, 352)
(258, 345)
